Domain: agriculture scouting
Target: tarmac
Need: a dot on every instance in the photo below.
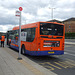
(9, 65)
(72, 43)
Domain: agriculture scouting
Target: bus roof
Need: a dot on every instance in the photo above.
(33, 25)
(26, 26)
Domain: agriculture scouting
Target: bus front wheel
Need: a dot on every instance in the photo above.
(23, 50)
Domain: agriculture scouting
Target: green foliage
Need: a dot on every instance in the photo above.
(69, 35)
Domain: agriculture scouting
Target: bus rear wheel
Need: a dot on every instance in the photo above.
(23, 50)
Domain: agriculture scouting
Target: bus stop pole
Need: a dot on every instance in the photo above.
(19, 55)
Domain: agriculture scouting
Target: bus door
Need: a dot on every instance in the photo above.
(14, 39)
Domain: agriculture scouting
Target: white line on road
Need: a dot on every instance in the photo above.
(69, 53)
(70, 43)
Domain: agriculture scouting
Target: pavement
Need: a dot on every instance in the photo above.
(9, 65)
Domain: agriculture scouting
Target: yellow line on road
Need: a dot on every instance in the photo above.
(53, 65)
(70, 63)
(46, 66)
(31, 68)
(70, 60)
(60, 64)
(65, 64)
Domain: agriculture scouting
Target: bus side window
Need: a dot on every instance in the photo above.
(32, 34)
(28, 35)
(16, 34)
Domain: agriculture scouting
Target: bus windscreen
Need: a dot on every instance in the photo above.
(51, 29)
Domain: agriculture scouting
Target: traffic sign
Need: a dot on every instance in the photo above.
(20, 8)
(18, 13)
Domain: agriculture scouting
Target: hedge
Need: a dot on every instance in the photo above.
(69, 35)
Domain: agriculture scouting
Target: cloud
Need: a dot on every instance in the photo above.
(1, 28)
(34, 10)
(5, 28)
(43, 11)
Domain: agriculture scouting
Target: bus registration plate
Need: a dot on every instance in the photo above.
(51, 52)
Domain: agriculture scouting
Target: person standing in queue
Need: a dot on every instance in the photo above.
(2, 40)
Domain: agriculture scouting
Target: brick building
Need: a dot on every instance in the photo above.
(69, 25)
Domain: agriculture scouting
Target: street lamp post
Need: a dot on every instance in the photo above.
(52, 12)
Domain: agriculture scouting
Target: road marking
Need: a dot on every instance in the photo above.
(31, 68)
(70, 60)
(70, 43)
(68, 46)
(70, 63)
(66, 64)
(47, 66)
(69, 53)
(60, 64)
(63, 64)
(53, 65)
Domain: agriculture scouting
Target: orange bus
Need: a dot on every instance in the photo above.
(38, 39)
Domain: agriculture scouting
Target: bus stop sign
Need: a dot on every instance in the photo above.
(20, 8)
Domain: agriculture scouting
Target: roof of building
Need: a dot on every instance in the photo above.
(55, 21)
(70, 19)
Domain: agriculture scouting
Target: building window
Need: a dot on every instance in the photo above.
(69, 26)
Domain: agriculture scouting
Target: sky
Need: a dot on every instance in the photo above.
(34, 11)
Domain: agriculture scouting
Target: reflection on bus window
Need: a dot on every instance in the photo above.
(51, 29)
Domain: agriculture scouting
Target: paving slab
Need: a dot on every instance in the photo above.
(11, 66)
